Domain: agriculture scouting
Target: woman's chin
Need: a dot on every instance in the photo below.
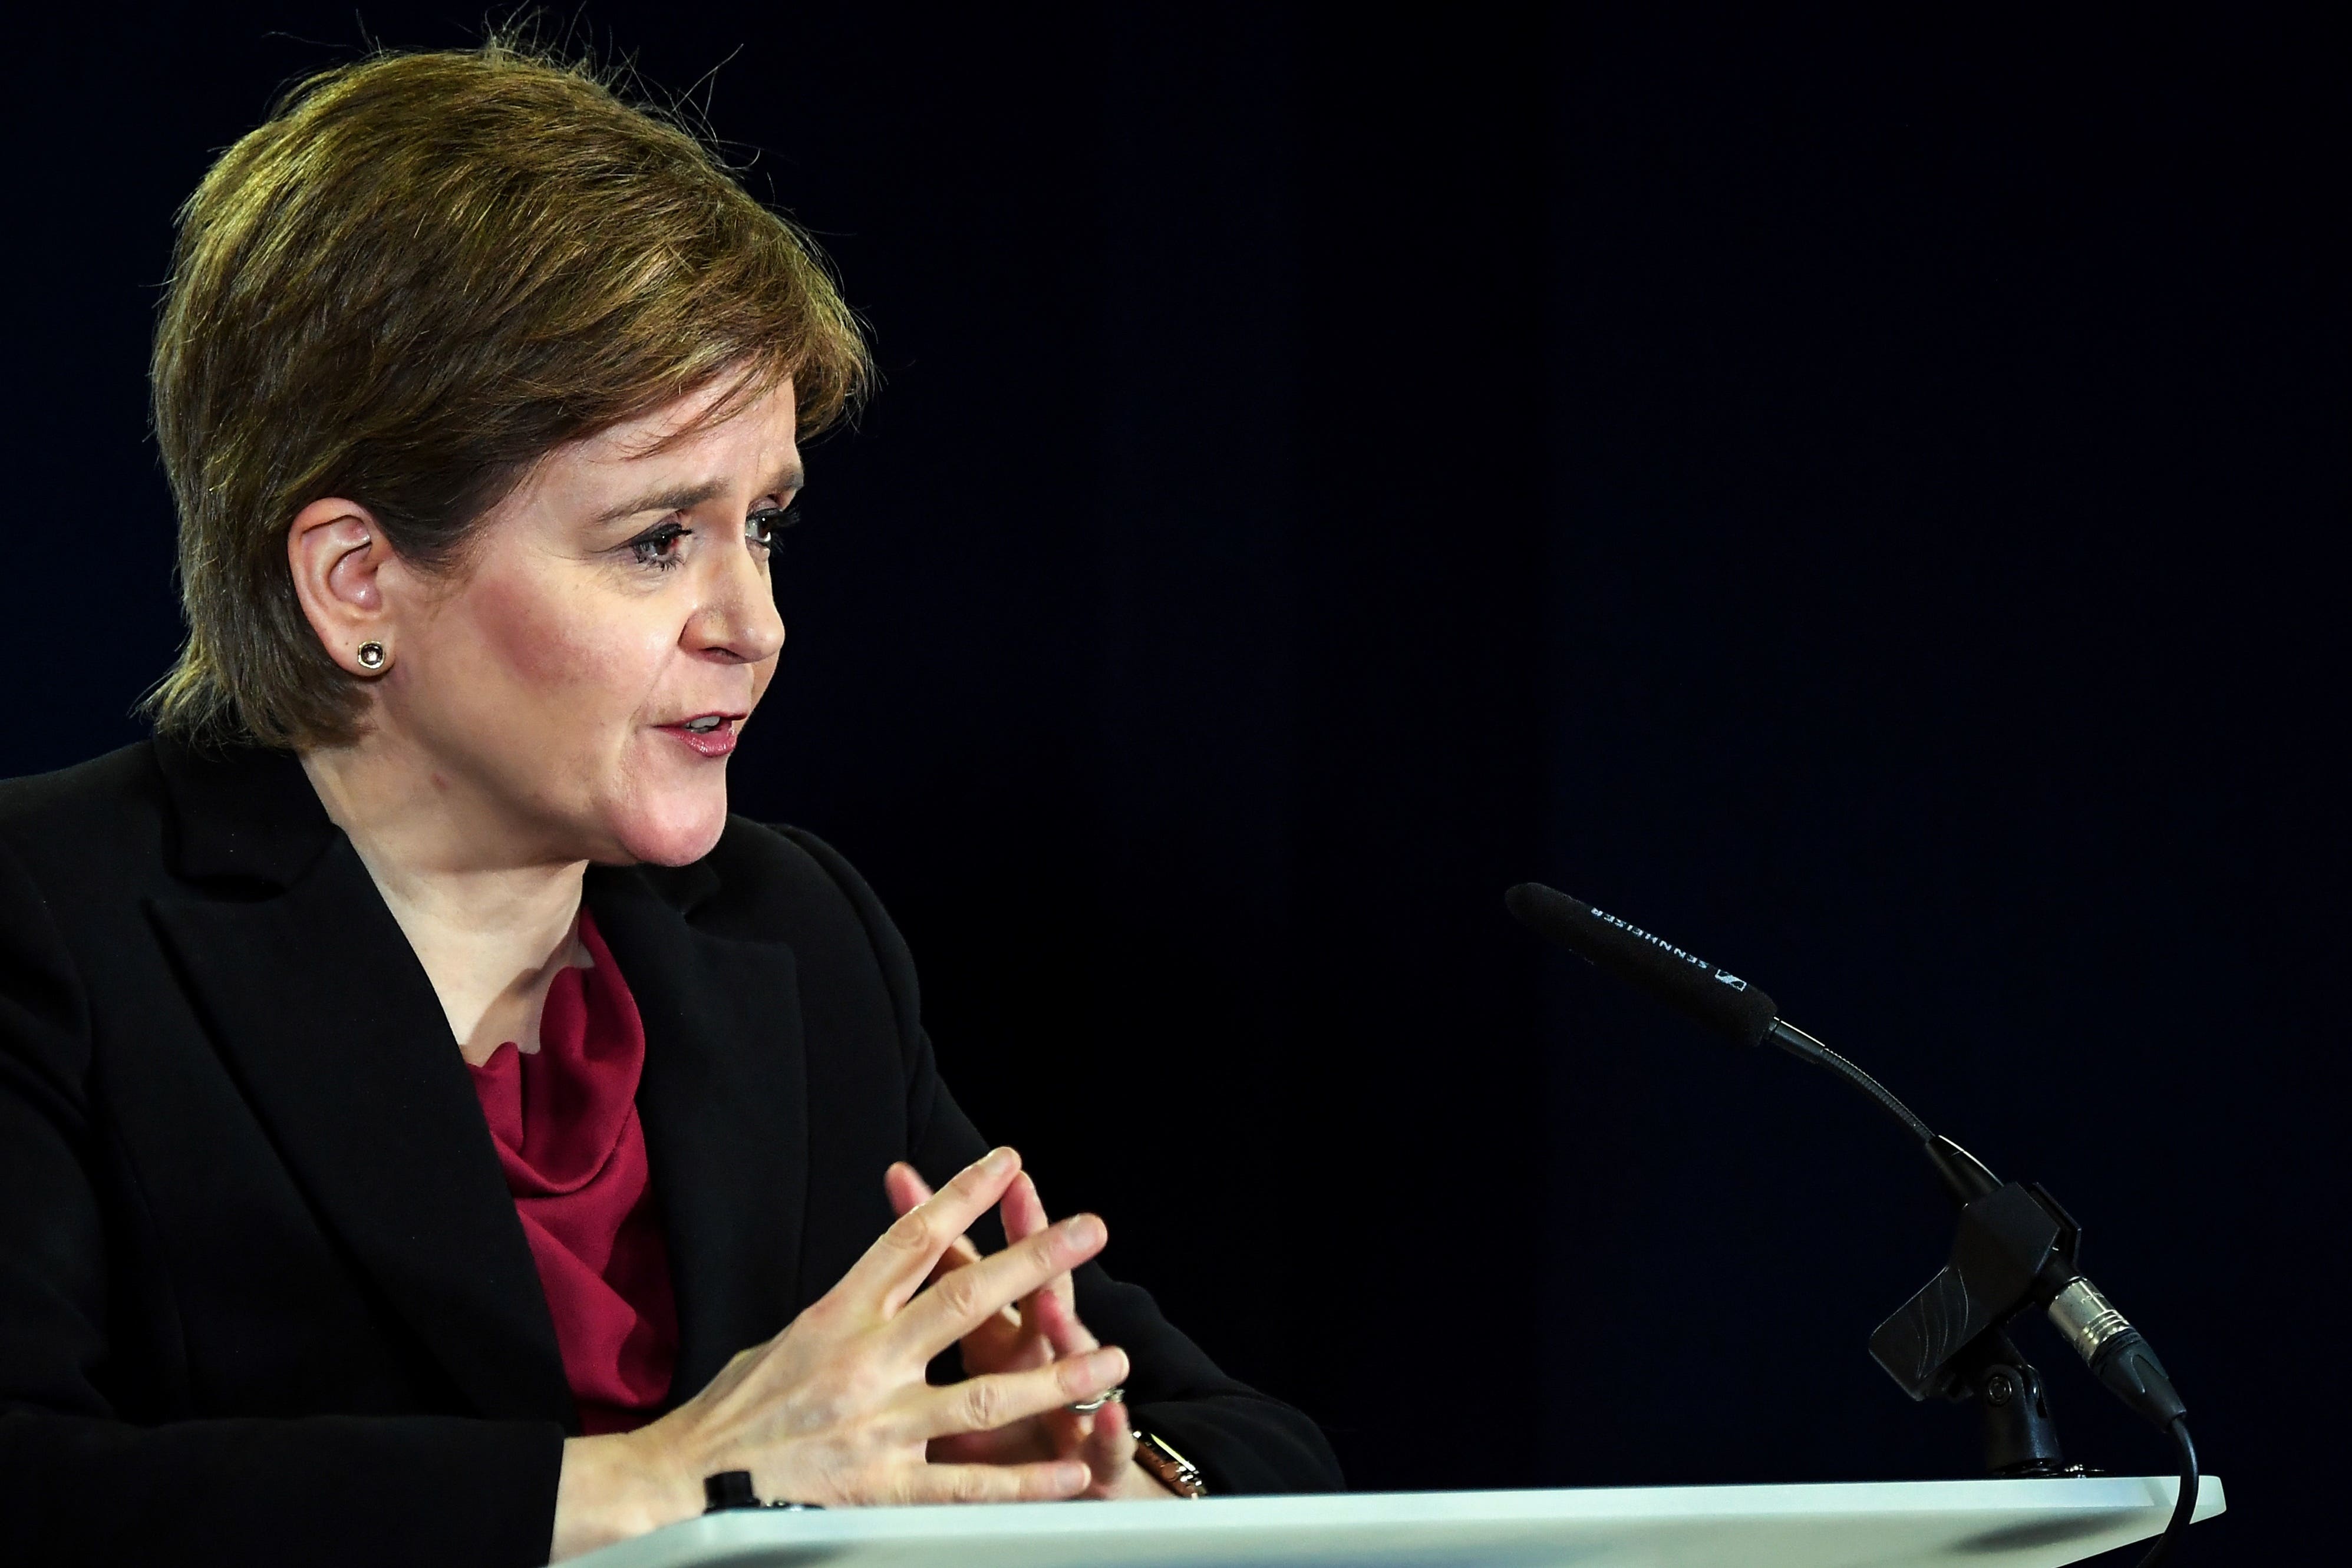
(675, 831)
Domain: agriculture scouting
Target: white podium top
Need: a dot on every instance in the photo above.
(1895, 1524)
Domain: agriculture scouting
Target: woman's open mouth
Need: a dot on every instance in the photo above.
(708, 735)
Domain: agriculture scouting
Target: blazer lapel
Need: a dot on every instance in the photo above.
(724, 1100)
(322, 1008)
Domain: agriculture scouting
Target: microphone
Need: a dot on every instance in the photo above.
(1717, 999)
(1714, 998)
(2016, 1248)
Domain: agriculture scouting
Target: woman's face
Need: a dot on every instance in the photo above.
(584, 677)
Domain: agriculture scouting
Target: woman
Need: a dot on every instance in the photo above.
(434, 1130)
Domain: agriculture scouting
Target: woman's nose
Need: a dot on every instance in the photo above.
(738, 620)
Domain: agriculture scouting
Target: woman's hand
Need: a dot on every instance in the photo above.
(834, 1410)
(1041, 1328)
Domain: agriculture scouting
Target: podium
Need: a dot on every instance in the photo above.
(1891, 1524)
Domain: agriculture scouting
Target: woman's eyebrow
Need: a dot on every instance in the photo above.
(685, 498)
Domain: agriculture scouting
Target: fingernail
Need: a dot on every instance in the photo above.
(1107, 1364)
(997, 1162)
(1074, 1478)
(1085, 1230)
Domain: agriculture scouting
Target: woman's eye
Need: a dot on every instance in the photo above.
(763, 526)
(658, 547)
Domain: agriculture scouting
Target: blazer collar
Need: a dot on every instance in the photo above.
(245, 813)
(321, 1008)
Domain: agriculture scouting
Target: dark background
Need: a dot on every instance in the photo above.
(1863, 500)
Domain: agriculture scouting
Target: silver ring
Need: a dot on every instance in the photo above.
(1088, 1406)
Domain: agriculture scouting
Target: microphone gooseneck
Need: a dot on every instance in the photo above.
(1805, 1048)
(2016, 1249)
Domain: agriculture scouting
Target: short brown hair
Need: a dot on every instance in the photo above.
(424, 273)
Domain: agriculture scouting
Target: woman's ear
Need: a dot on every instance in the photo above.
(339, 555)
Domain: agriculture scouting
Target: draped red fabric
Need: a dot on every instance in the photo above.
(564, 1118)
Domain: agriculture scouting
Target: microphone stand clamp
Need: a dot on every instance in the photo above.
(2016, 1248)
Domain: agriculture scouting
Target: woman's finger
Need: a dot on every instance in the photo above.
(1004, 1343)
(903, 1257)
(1050, 1315)
(907, 1191)
(1001, 1399)
(1024, 1442)
(1024, 1216)
(1109, 1448)
(1052, 1310)
(967, 1297)
(1024, 1213)
(906, 1186)
(991, 1346)
(1048, 1481)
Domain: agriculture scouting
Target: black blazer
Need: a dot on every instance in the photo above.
(263, 1295)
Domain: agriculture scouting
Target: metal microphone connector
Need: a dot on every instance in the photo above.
(2116, 1352)
(2087, 1318)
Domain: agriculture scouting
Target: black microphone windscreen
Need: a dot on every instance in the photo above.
(1715, 997)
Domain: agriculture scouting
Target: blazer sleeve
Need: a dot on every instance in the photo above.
(79, 1483)
(1243, 1441)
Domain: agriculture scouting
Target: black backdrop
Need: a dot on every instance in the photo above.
(1866, 503)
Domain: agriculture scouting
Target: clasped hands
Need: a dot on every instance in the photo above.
(835, 1409)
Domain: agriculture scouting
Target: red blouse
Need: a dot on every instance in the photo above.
(565, 1121)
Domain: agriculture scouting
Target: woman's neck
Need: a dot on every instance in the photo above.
(491, 923)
